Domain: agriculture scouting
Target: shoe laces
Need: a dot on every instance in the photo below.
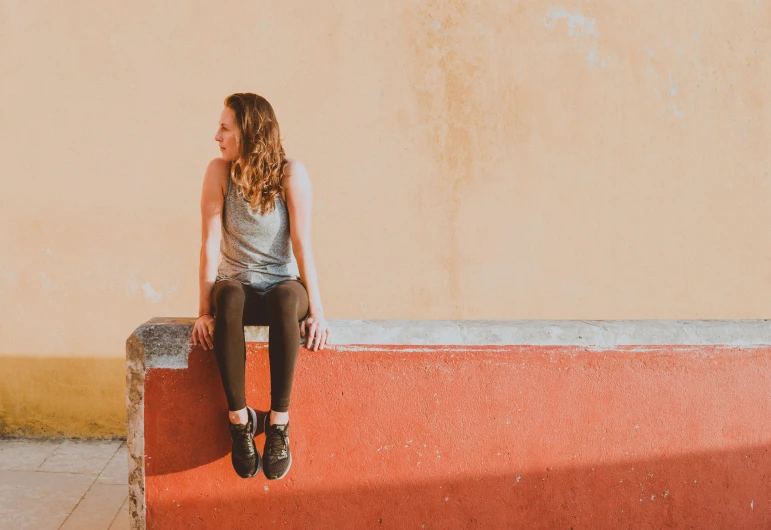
(242, 438)
(277, 441)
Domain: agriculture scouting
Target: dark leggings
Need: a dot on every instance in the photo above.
(282, 308)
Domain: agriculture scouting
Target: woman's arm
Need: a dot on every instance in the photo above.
(212, 200)
(299, 194)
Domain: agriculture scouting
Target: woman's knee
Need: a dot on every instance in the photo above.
(283, 299)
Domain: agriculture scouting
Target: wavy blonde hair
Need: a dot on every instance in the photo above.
(260, 165)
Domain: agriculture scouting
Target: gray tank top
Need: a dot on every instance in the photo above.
(256, 249)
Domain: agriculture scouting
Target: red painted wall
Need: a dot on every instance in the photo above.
(486, 437)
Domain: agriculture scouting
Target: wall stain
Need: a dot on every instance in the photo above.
(470, 109)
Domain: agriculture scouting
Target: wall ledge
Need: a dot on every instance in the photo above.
(677, 399)
(166, 340)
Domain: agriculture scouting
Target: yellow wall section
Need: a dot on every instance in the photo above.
(590, 159)
(77, 397)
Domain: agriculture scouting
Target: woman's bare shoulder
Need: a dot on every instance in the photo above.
(293, 165)
(218, 167)
(296, 173)
(215, 180)
(296, 182)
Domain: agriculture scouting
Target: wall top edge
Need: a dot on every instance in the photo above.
(166, 339)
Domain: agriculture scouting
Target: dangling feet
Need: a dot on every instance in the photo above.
(245, 456)
(276, 454)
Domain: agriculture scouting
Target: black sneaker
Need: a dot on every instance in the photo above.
(278, 458)
(244, 455)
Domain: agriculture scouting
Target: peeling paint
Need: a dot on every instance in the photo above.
(578, 24)
(133, 289)
(673, 90)
(582, 29)
(150, 293)
(672, 86)
(666, 96)
(675, 110)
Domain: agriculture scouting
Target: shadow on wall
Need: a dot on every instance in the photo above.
(713, 490)
(380, 468)
(188, 421)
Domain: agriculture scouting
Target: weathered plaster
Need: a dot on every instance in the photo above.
(135, 440)
(167, 340)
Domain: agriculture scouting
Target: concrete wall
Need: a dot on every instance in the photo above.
(411, 424)
(585, 159)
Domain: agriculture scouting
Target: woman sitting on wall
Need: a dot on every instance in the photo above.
(256, 210)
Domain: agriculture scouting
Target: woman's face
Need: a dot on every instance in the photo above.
(226, 135)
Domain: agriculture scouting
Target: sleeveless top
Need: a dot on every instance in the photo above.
(256, 249)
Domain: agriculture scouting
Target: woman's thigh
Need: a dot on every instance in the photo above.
(259, 306)
(239, 296)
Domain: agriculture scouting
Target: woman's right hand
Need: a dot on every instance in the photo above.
(203, 332)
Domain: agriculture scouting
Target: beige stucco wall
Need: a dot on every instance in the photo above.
(497, 160)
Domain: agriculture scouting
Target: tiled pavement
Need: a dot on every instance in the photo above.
(66, 484)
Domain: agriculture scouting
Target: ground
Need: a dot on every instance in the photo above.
(66, 484)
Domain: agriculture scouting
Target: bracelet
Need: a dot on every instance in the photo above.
(204, 314)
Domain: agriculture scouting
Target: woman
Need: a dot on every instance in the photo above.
(256, 210)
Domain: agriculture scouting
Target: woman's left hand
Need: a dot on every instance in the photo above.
(316, 330)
